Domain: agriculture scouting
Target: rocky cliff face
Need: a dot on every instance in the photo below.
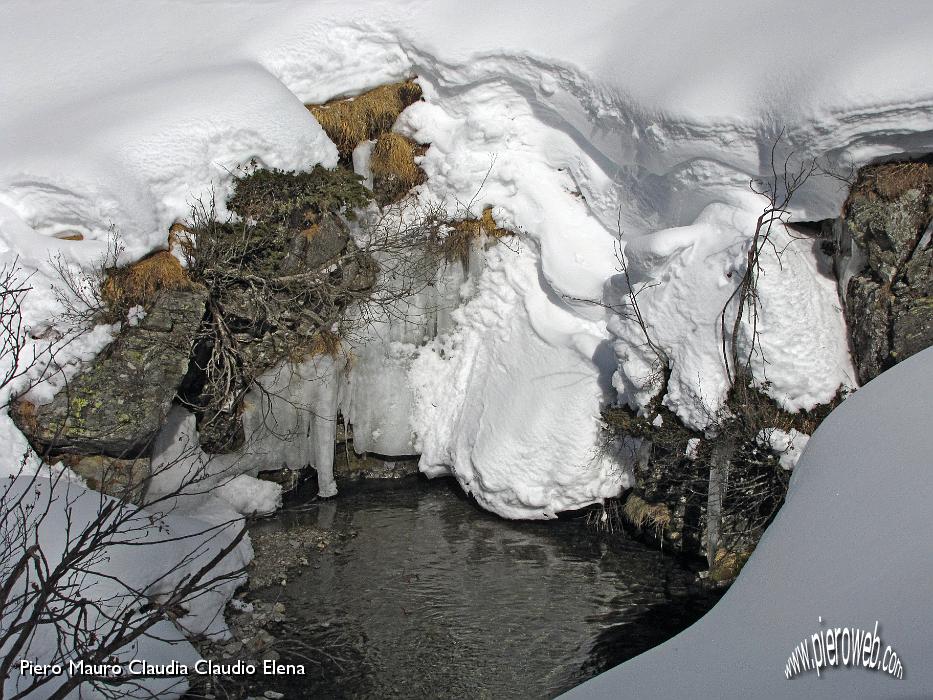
(884, 261)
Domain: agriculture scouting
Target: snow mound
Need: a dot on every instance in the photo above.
(842, 551)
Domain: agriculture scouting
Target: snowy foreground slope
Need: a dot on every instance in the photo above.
(649, 117)
(850, 546)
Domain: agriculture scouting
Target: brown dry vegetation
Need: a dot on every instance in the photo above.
(69, 236)
(393, 165)
(142, 281)
(640, 513)
(323, 342)
(349, 122)
(889, 181)
(456, 245)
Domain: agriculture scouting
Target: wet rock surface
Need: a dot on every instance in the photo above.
(350, 465)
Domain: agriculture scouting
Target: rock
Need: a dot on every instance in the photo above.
(884, 259)
(316, 245)
(287, 478)
(259, 642)
(117, 404)
(727, 565)
(370, 467)
(867, 310)
(120, 478)
(348, 464)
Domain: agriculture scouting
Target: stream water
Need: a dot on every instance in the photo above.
(417, 593)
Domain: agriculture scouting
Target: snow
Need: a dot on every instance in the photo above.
(495, 374)
(684, 277)
(156, 564)
(691, 450)
(572, 124)
(579, 125)
(843, 551)
(215, 488)
(787, 444)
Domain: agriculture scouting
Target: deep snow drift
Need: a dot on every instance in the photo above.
(649, 118)
(849, 546)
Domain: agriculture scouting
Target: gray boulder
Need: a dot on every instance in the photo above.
(885, 240)
(117, 404)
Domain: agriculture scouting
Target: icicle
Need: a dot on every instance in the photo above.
(324, 425)
(292, 421)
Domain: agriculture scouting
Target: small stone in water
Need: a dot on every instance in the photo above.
(273, 695)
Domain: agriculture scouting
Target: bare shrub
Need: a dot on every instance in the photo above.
(79, 291)
(59, 597)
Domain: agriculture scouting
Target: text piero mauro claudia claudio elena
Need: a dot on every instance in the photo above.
(141, 667)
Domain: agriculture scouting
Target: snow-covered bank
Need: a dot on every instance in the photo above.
(131, 567)
(849, 548)
(652, 117)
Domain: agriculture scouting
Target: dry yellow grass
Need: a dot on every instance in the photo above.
(327, 343)
(323, 342)
(394, 157)
(457, 244)
(349, 122)
(24, 414)
(310, 232)
(141, 282)
(891, 180)
(641, 513)
(69, 236)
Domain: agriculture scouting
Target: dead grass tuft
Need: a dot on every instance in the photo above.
(327, 342)
(889, 181)
(142, 281)
(641, 513)
(349, 122)
(69, 236)
(457, 244)
(323, 342)
(25, 416)
(393, 159)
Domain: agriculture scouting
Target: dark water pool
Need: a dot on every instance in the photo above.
(420, 594)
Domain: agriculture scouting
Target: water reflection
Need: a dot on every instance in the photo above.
(450, 601)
